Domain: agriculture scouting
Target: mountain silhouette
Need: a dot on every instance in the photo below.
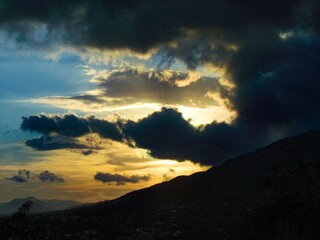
(236, 180)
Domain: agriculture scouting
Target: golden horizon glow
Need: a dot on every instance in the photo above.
(136, 111)
(79, 170)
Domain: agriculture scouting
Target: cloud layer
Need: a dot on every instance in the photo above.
(140, 24)
(166, 134)
(45, 143)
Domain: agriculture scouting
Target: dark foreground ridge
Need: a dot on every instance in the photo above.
(272, 193)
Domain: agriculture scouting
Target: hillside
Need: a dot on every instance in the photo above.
(235, 180)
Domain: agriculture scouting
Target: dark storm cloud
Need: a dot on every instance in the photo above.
(196, 50)
(26, 176)
(120, 179)
(167, 135)
(70, 125)
(278, 82)
(138, 24)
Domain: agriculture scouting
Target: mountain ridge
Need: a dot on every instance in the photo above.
(39, 205)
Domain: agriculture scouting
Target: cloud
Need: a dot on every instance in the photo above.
(88, 152)
(198, 50)
(165, 177)
(166, 87)
(17, 178)
(24, 176)
(120, 179)
(70, 125)
(168, 176)
(45, 143)
(86, 98)
(160, 86)
(47, 176)
(277, 82)
(165, 134)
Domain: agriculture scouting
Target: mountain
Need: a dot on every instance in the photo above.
(271, 193)
(39, 206)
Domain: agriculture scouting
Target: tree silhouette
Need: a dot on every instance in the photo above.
(19, 226)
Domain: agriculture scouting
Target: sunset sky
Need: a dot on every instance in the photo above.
(99, 98)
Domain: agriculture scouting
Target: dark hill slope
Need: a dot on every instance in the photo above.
(238, 180)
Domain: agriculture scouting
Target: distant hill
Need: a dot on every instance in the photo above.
(39, 206)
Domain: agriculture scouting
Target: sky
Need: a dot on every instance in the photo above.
(102, 97)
